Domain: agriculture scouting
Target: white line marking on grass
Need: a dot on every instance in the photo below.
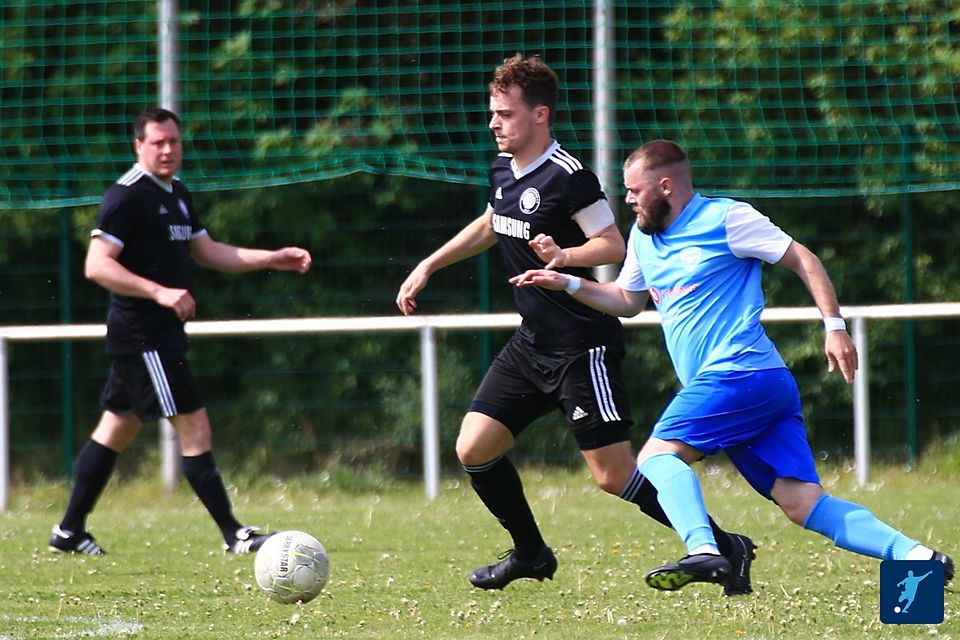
(117, 628)
(96, 629)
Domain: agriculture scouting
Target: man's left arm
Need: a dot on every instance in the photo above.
(838, 346)
(225, 257)
(604, 247)
(604, 244)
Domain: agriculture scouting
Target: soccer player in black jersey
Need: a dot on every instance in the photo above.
(147, 237)
(545, 208)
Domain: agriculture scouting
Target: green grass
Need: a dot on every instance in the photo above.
(399, 564)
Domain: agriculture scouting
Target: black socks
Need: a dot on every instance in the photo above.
(204, 477)
(94, 465)
(498, 485)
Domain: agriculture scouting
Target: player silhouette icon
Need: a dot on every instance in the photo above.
(910, 584)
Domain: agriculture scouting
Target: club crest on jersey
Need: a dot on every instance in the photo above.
(529, 201)
(690, 258)
(499, 194)
(183, 207)
(163, 211)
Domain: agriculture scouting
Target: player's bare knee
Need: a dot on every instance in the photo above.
(611, 478)
(611, 483)
(795, 498)
(482, 439)
(795, 513)
(116, 432)
(468, 450)
(465, 452)
(472, 452)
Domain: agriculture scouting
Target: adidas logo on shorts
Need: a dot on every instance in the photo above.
(578, 414)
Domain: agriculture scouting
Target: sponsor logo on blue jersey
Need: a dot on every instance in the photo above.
(674, 292)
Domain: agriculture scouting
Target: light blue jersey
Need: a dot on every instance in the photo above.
(703, 274)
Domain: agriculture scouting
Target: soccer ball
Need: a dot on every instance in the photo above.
(292, 566)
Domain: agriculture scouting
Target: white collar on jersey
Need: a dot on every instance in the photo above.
(163, 185)
(533, 166)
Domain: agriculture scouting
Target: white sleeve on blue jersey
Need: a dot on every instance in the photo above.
(631, 277)
(750, 234)
(594, 218)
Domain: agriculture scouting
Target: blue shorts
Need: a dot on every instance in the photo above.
(753, 416)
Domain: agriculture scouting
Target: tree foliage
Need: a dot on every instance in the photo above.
(798, 99)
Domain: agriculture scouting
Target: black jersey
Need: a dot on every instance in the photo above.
(153, 224)
(542, 199)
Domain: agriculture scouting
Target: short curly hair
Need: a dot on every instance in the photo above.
(538, 83)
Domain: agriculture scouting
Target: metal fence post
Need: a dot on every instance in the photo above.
(4, 429)
(604, 107)
(430, 404)
(861, 403)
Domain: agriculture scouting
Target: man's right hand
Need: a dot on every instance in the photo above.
(543, 278)
(179, 300)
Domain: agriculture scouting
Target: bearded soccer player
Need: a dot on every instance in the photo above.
(699, 259)
(546, 209)
(142, 251)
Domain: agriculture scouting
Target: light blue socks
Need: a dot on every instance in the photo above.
(850, 526)
(679, 495)
(854, 528)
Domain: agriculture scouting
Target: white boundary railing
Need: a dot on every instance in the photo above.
(427, 326)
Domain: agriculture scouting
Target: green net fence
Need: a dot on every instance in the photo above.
(771, 98)
(367, 120)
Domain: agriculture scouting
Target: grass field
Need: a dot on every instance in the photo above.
(399, 564)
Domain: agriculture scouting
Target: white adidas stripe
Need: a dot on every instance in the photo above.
(601, 385)
(566, 155)
(136, 172)
(633, 486)
(562, 162)
(160, 385)
(478, 468)
(131, 176)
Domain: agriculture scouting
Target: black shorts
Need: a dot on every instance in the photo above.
(524, 384)
(152, 384)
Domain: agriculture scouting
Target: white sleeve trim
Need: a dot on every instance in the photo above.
(750, 234)
(196, 235)
(594, 218)
(103, 235)
(631, 275)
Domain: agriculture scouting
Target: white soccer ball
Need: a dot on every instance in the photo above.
(292, 566)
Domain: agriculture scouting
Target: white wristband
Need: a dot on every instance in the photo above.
(834, 324)
(573, 284)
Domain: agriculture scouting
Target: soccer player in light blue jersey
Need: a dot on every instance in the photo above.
(699, 259)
